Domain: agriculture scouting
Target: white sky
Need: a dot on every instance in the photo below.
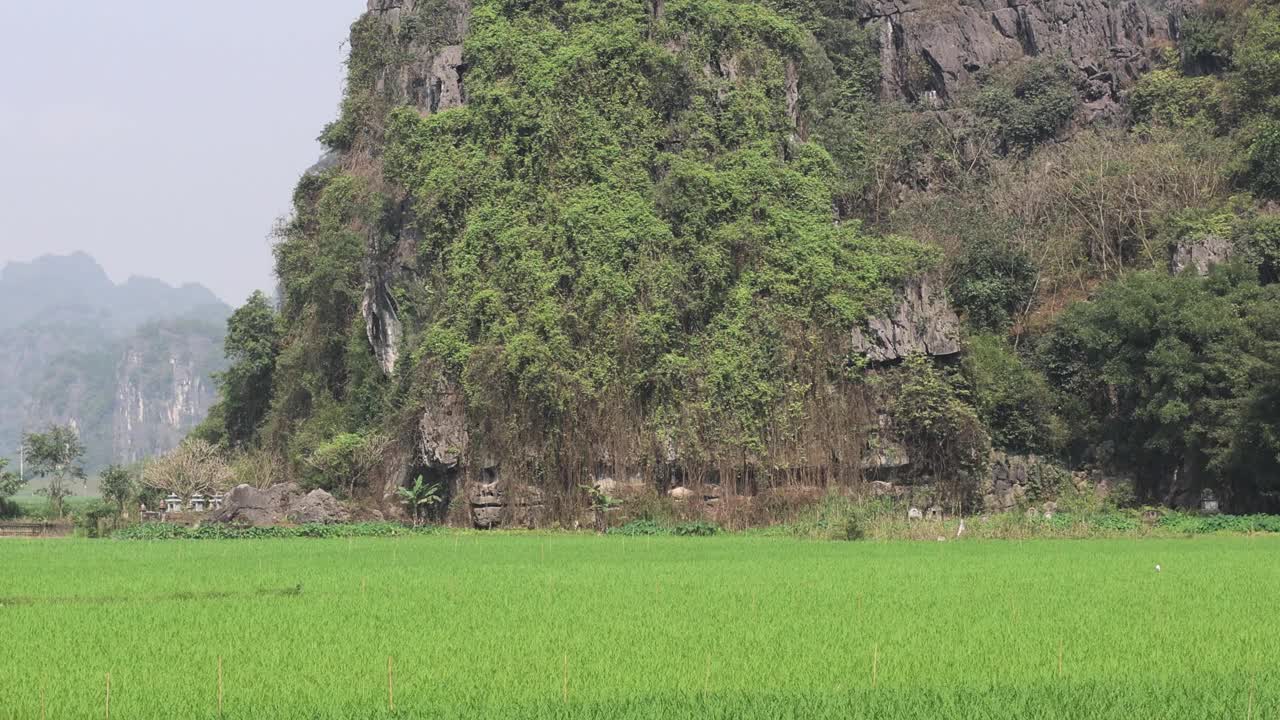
(163, 138)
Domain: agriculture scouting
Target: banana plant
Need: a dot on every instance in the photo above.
(419, 496)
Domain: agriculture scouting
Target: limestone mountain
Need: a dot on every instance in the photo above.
(747, 245)
(129, 365)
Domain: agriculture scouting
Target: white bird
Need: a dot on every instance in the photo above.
(1157, 567)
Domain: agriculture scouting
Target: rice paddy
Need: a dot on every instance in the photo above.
(565, 626)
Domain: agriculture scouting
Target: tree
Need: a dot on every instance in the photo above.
(56, 455)
(933, 416)
(419, 496)
(194, 468)
(1174, 377)
(10, 483)
(1013, 400)
(252, 344)
(117, 486)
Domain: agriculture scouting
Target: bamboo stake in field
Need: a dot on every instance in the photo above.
(108, 696)
(391, 684)
(219, 686)
(1253, 682)
(706, 683)
(875, 666)
(1060, 651)
(42, 716)
(564, 690)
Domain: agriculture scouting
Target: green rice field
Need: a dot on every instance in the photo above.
(567, 626)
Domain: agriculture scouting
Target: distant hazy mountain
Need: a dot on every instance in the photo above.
(130, 365)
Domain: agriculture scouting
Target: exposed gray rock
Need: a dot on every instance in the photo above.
(279, 505)
(931, 50)
(432, 78)
(327, 162)
(922, 321)
(1014, 478)
(247, 505)
(915, 514)
(1201, 253)
(317, 506)
(444, 426)
(494, 504)
(885, 452)
(680, 493)
(382, 323)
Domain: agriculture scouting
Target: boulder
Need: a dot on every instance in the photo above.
(680, 493)
(915, 514)
(317, 506)
(279, 505)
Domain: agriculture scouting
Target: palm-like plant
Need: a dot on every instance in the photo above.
(419, 496)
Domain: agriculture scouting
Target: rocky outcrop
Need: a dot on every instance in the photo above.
(427, 37)
(921, 322)
(163, 390)
(430, 33)
(1201, 253)
(1015, 479)
(930, 50)
(382, 324)
(494, 505)
(279, 505)
(443, 427)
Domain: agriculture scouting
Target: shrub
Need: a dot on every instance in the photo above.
(1027, 104)
(639, 528)
(698, 528)
(1013, 400)
(1257, 240)
(1166, 97)
(991, 281)
(931, 414)
(1260, 158)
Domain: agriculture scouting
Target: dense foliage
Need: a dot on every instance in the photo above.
(1176, 377)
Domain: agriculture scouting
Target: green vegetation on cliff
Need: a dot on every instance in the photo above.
(615, 243)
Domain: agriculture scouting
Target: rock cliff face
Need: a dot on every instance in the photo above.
(430, 80)
(130, 366)
(163, 390)
(930, 50)
(922, 322)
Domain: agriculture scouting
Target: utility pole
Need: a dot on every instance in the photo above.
(22, 462)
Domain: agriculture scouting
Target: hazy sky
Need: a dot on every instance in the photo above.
(163, 138)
